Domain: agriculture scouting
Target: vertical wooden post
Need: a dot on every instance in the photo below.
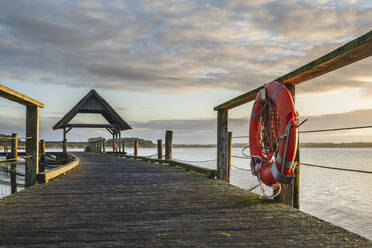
(42, 155)
(229, 145)
(123, 146)
(32, 145)
(168, 144)
(113, 141)
(222, 140)
(14, 147)
(291, 192)
(104, 145)
(13, 157)
(135, 148)
(119, 141)
(160, 149)
(64, 142)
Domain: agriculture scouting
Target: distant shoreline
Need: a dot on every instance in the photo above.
(236, 145)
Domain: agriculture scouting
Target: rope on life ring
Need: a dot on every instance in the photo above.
(273, 137)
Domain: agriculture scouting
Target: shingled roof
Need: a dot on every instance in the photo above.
(93, 103)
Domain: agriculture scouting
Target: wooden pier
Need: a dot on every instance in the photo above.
(115, 202)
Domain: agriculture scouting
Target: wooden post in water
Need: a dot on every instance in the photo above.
(42, 155)
(135, 148)
(13, 157)
(168, 144)
(229, 145)
(290, 194)
(160, 149)
(32, 145)
(222, 141)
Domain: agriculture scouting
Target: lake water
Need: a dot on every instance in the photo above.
(341, 197)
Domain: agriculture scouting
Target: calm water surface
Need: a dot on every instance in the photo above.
(341, 197)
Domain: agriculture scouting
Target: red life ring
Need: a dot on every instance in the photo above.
(271, 173)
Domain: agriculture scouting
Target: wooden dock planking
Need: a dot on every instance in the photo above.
(115, 202)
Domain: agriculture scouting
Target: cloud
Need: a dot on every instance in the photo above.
(173, 46)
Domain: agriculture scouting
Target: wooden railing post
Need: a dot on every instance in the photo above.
(160, 149)
(290, 194)
(222, 140)
(32, 145)
(136, 148)
(42, 155)
(123, 146)
(13, 157)
(64, 141)
(229, 146)
(168, 144)
(14, 147)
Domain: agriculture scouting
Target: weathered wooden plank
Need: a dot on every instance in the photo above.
(18, 97)
(45, 177)
(210, 173)
(349, 53)
(135, 204)
(204, 171)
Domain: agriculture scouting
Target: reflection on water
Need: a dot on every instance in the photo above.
(341, 197)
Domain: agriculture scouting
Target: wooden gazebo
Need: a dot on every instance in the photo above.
(93, 103)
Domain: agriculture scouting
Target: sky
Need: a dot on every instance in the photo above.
(165, 64)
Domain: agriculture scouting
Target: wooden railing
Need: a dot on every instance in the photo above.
(351, 52)
(97, 145)
(71, 162)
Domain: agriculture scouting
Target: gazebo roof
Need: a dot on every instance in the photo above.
(93, 103)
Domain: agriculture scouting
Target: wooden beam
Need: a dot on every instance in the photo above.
(90, 126)
(222, 140)
(45, 177)
(349, 53)
(32, 145)
(18, 97)
(239, 100)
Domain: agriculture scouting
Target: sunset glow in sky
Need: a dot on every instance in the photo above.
(166, 64)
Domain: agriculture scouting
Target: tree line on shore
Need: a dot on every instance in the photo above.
(129, 142)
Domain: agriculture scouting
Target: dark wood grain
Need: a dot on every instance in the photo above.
(116, 202)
